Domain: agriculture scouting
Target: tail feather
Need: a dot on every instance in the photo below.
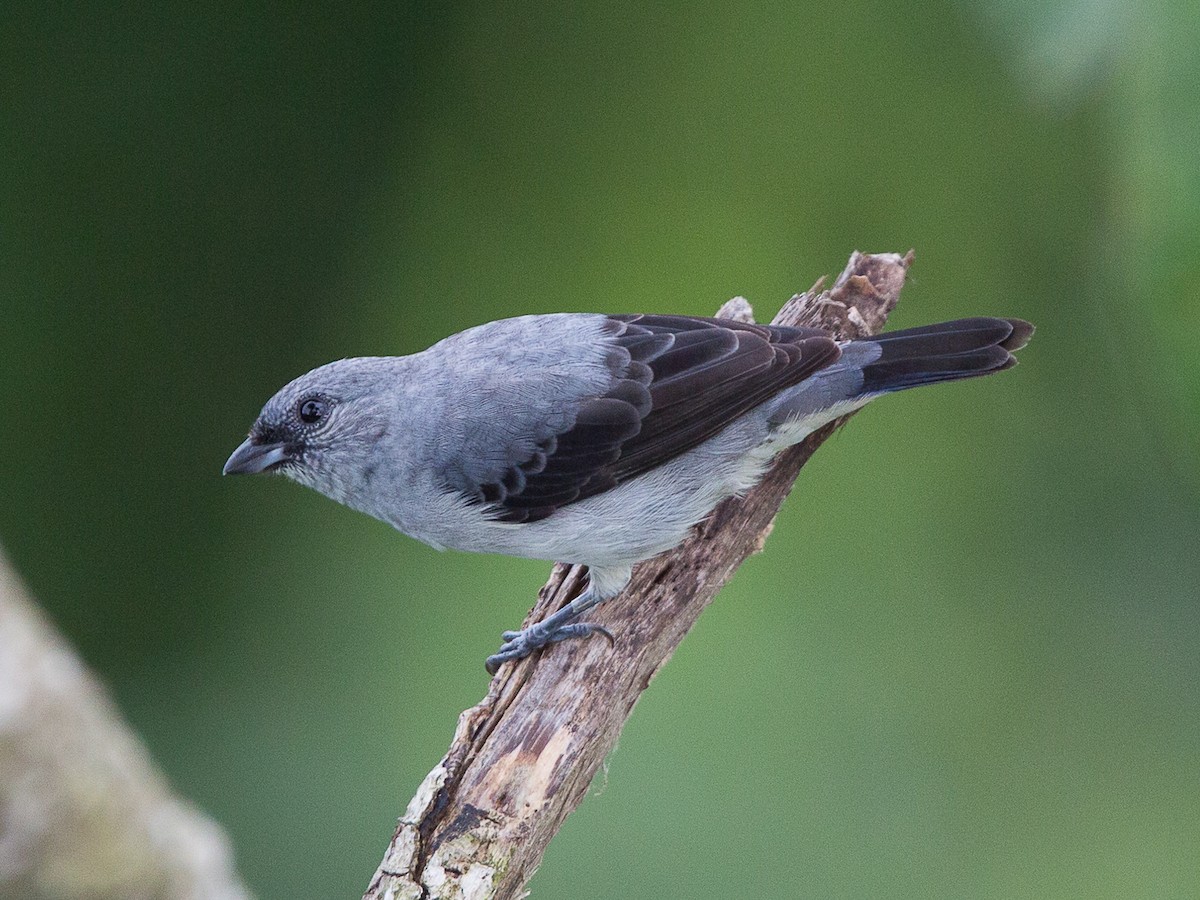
(944, 352)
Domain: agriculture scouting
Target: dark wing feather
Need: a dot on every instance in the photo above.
(678, 382)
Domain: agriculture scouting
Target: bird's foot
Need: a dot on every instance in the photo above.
(519, 644)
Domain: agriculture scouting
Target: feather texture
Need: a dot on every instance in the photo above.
(677, 381)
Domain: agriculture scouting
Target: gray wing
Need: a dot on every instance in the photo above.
(675, 381)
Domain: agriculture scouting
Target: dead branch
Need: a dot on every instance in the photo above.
(522, 759)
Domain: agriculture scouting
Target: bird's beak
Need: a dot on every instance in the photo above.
(251, 458)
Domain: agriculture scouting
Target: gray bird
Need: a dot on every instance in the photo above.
(584, 438)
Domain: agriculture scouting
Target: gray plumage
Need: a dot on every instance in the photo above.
(586, 438)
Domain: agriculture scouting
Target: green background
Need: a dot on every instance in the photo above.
(966, 665)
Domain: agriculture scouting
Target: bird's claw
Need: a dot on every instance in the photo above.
(519, 644)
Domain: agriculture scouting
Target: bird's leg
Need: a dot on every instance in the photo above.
(561, 625)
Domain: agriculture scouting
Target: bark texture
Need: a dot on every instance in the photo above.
(523, 758)
(83, 810)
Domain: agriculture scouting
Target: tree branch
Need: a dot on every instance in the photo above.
(521, 761)
(83, 811)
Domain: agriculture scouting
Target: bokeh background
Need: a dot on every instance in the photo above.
(967, 664)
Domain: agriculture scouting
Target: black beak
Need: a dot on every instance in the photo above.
(251, 458)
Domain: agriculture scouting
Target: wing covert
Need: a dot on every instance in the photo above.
(677, 381)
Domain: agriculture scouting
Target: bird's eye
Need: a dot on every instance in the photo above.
(312, 410)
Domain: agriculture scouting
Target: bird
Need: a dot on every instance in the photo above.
(587, 438)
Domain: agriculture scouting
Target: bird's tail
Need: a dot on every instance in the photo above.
(897, 360)
(943, 352)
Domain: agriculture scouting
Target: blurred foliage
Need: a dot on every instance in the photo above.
(966, 665)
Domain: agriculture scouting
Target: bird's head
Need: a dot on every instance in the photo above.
(322, 429)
